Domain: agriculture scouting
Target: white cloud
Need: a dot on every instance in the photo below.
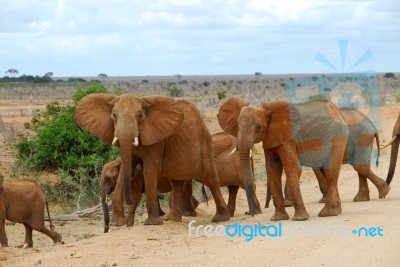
(198, 36)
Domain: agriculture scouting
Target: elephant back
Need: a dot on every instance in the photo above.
(315, 125)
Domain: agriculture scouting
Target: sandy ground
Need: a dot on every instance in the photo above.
(315, 242)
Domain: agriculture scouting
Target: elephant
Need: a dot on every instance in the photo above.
(228, 170)
(23, 201)
(312, 134)
(111, 181)
(168, 136)
(394, 150)
(362, 133)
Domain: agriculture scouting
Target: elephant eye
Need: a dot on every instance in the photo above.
(140, 116)
(258, 128)
(113, 116)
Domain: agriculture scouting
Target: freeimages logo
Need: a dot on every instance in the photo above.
(354, 90)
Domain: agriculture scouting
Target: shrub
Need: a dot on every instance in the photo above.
(60, 145)
(221, 95)
(174, 91)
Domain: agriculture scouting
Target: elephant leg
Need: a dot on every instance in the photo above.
(118, 215)
(222, 213)
(188, 208)
(28, 236)
(288, 201)
(363, 189)
(274, 170)
(381, 185)
(322, 183)
(3, 236)
(150, 183)
(175, 212)
(333, 205)
(233, 189)
(291, 165)
(38, 225)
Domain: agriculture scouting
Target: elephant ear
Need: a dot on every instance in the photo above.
(279, 129)
(163, 117)
(93, 114)
(229, 113)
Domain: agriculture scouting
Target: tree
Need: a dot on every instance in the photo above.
(12, 72)
(102, 77)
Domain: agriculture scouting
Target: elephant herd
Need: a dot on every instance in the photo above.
(165, 145)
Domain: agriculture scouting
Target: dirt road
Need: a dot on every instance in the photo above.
(316, 242)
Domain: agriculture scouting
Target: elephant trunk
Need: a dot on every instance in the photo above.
(393, 159)
(247, 177)
(106, 214)
(126, 170)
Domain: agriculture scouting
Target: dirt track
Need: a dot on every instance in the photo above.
(169, 244)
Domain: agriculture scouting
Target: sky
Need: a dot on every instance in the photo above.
(195, 37)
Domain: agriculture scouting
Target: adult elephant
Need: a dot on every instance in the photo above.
(394, 150)
(110, 181)
(362, 134)
(167, 136)
(312, 134)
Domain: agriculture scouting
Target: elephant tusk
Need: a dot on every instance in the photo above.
(107, 198)
(115, 141)
(390, 143)
(233, 151)
(25, 245)
(251, 153)
(136, 141)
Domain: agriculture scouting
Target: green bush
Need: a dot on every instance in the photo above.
(174, 91)
(221, 94)
(61, 146)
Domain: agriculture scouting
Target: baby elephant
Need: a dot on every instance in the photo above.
(23, 201)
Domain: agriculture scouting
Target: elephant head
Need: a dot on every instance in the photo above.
(268, 123)
(394, 150)
(108, 181)
(129, 121)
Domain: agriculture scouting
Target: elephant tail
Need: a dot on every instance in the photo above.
(52, 227)
(269, 195)
(204, 193)
(379, 149)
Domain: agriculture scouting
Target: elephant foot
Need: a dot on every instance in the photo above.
(130, 220)
(221, 216)
(58, 239)
(300, 216)
(118, 220)
(361, 197)
(153, 221)
(189, 213)
(173, 216)
(384, 190)
(322, 200)
(330, 210)
(257, 210)
(280, 216)
(288, 203)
